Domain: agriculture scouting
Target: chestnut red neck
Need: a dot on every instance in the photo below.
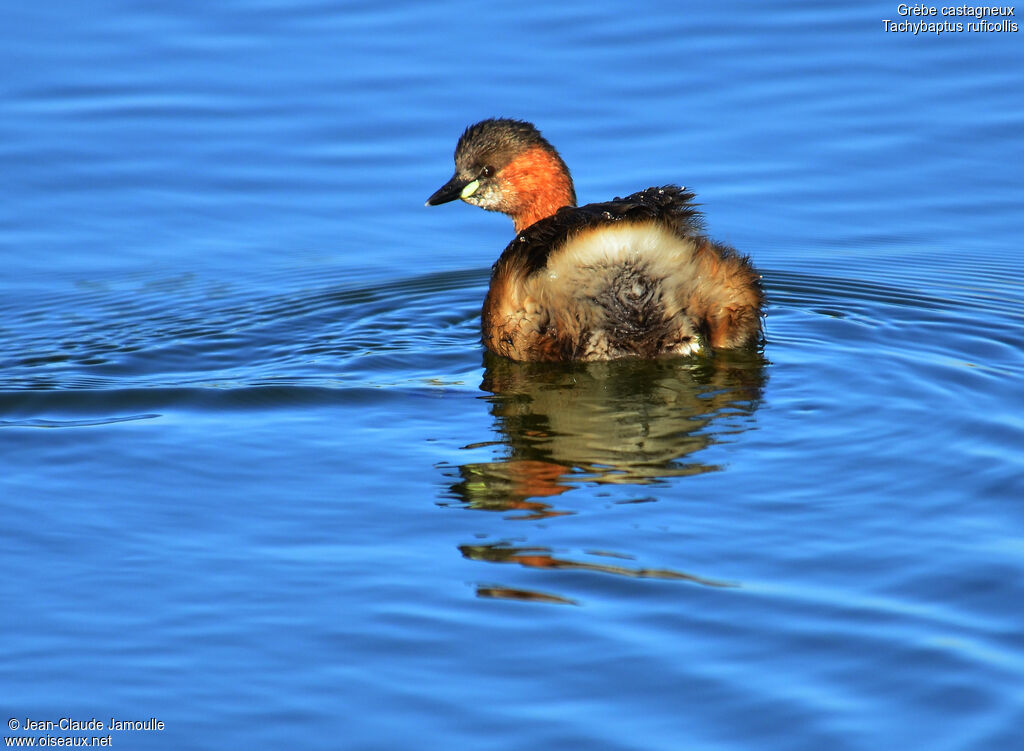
(538, 184)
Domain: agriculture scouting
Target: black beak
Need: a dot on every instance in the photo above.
(449, 191)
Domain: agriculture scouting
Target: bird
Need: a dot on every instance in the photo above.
(634, 277)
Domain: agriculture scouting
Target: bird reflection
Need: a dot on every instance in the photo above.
(637, 423)
(539, 557)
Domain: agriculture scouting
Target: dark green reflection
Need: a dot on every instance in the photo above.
(541, 557)
(630, 423)
(627, 422)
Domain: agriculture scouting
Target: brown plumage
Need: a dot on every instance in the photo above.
(633, 277)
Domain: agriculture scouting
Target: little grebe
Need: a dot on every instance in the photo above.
(633, 277)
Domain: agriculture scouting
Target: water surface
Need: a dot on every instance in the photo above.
(260, 481)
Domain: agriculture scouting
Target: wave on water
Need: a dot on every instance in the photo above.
(152, 344)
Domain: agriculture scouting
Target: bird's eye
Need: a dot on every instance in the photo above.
(488, 171)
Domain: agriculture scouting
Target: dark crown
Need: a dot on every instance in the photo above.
(496, 142)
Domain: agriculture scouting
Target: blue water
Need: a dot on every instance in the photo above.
(260, 482)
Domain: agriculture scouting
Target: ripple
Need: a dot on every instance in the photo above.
(126, 334)
(39, 423)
